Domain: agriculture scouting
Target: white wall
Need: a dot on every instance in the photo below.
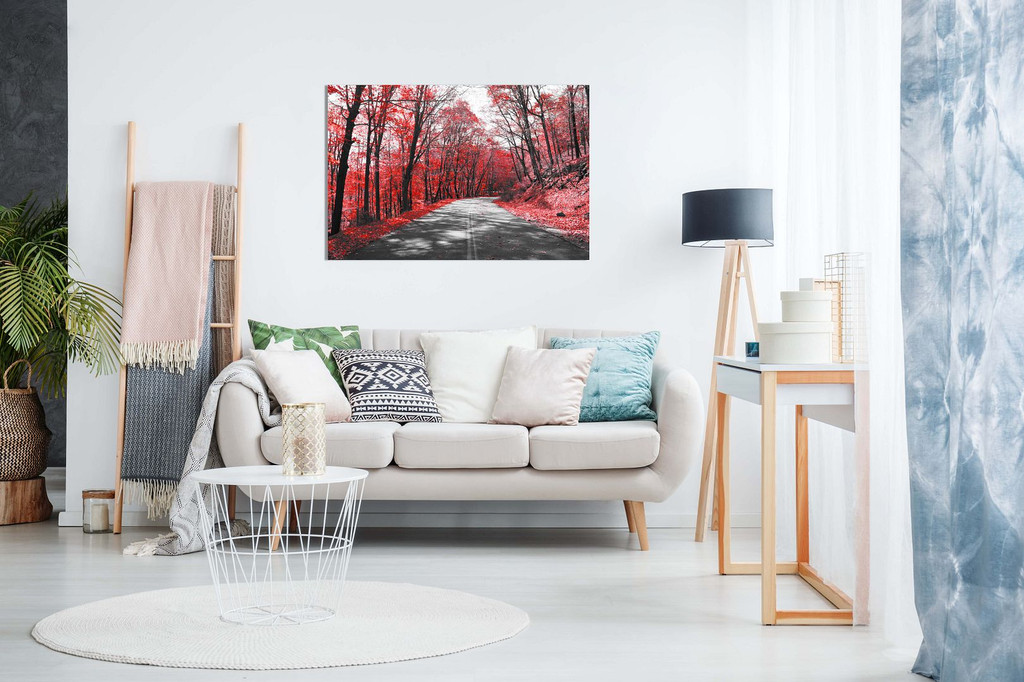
(669, 114)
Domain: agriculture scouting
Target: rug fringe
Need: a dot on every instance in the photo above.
(174, 356)
(146, 547)
(157, 495)
(240, 527)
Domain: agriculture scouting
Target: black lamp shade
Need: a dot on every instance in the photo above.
(713, 216)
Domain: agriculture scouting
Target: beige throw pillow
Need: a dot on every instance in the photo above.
(465, 369)
(543, 386)
(300, 376)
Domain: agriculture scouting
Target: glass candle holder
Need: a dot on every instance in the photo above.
(304, 435)
(97, 511)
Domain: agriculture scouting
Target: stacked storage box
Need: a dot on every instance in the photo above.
(805, 334)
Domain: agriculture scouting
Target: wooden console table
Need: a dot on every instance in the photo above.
(822, 392)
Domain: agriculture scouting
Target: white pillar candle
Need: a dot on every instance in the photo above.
(99, 518)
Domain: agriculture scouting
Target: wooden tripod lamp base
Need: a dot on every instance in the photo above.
(735, 268)
(734, 219)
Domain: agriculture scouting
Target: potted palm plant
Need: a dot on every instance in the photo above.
(47, 317)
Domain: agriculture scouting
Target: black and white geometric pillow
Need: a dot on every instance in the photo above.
(387, 385)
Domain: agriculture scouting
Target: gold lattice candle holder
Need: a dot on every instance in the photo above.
(304, 447)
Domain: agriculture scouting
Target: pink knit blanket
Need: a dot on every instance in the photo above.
(168, 271)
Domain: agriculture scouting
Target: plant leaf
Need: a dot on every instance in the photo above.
(25, 303)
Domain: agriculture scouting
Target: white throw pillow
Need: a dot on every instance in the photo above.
(465, 369)
(543, 386)
(300, 376)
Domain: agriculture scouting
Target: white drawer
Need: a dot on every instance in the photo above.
(745, 384)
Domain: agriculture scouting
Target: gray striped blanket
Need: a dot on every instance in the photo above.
(203, 454)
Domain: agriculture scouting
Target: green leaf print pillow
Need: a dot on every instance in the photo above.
(323, 340)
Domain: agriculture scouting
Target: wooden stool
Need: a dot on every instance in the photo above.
(24, 501)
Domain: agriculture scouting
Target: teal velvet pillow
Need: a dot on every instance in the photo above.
(619, 385)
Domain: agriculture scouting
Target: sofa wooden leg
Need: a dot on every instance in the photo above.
(293, 516)
(640, 523)
(629, 516)
(279, 513)
(232, 492)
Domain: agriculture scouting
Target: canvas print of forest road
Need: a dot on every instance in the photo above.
(458, 172)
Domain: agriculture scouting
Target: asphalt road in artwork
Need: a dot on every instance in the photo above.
(470, 229)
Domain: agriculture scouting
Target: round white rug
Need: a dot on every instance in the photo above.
(377, 623)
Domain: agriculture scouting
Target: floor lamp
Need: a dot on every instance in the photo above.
(734, 220)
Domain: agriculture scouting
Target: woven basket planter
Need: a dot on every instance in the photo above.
(24, 437)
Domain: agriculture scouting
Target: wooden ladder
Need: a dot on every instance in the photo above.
(235, 324)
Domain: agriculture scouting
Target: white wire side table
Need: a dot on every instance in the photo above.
(280, 573)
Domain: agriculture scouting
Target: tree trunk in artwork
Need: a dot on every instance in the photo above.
(586, 136)
(365, 215)
(387, 93)
(543, 122)
(426, 173)
(405, 200)
(573, 131)
(376, 184)
(524, 124)
(346, 146)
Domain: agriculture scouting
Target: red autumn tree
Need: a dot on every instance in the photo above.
(351, 99)
(394, 150)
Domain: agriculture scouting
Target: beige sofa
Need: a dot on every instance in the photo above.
(633, 461)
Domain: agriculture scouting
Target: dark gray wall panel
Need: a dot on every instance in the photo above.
(34, 124)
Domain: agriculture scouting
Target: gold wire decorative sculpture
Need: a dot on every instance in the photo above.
(304, 446)
(844, 277)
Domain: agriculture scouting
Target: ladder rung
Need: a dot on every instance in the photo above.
(218, 258)
(234, 188)
(221, 325)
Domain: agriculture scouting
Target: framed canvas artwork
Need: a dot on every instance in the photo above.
(458, 172)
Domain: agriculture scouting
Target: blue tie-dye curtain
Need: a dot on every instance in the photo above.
(963, 307)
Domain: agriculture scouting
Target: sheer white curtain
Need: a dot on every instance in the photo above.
(835, 106)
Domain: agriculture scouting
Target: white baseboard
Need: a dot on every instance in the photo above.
(539, 520)
(128, 518)
(370, 519)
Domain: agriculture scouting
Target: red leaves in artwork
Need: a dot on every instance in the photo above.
(565, 210)
(561, 201)
(395, 152)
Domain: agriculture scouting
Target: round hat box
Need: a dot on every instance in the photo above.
(795, 343)
(806, 306)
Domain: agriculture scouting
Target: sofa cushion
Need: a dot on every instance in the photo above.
(322, 340)
(298, 376)
(542, 386)
(465, 369)
(366, 445)
(462, 446)
(387, 385)
(619, 385)
(594, 445)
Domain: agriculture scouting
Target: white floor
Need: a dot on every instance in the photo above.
(600, 609)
